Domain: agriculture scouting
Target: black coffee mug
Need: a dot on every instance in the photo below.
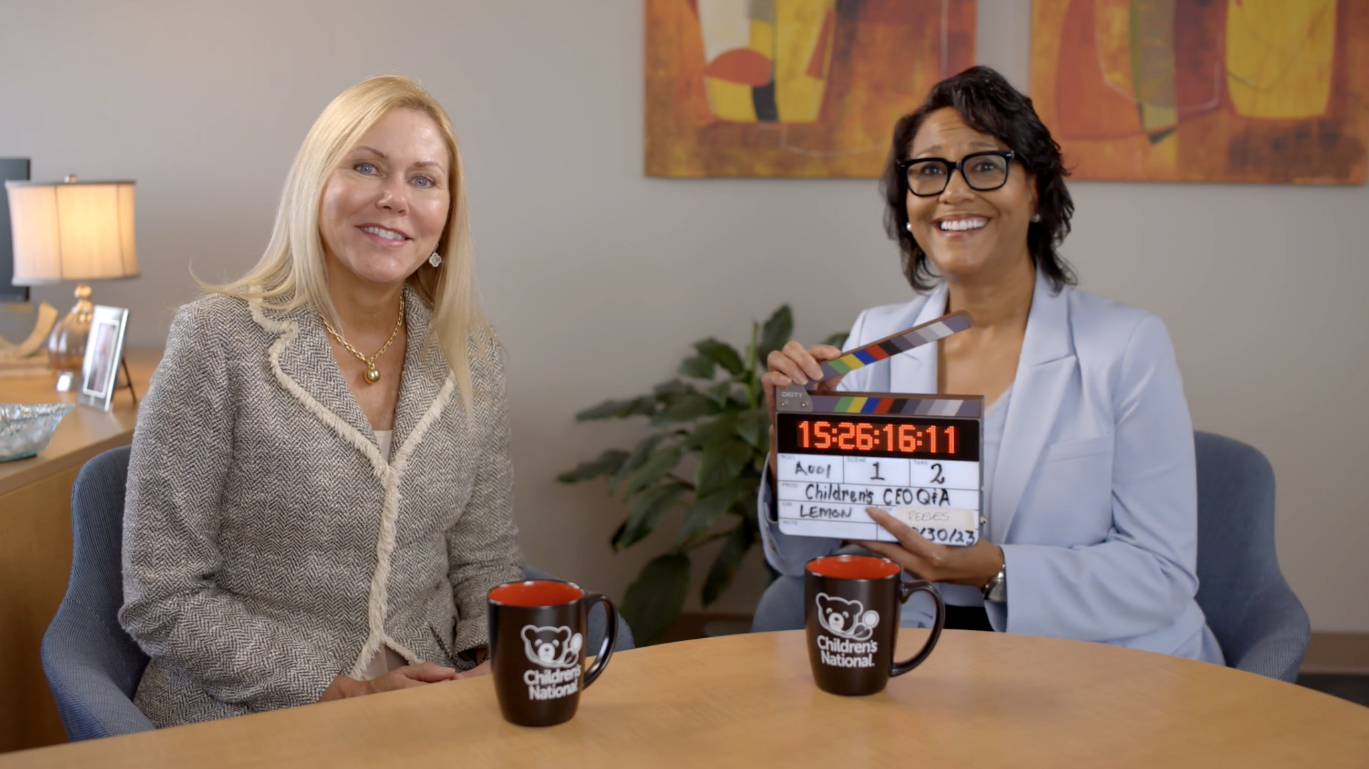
(537, 640)
(851, 612)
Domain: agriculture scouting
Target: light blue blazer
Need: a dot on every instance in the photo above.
(1094, 498)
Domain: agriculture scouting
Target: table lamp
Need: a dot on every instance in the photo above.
(71, 230)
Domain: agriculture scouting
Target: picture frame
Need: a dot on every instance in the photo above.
(104, 353)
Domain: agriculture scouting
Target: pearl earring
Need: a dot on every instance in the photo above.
(908, 226)
(435, 260)
(1036, 217)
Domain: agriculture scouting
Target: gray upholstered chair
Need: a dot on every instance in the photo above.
(92, 666)
(1259, 623)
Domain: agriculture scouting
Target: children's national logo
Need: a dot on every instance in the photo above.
(853, 627)
(552, 647)
(557, 650)
(847, 619)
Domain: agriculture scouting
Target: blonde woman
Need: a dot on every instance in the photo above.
(320, 489)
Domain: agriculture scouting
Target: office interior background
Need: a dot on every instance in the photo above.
(598, 279)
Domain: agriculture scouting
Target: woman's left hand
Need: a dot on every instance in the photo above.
(483, 669)
(974, 565)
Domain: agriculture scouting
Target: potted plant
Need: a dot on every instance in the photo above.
(713, 418)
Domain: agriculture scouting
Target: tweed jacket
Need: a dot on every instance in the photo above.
(268, 546)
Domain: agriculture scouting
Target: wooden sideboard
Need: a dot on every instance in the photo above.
(35, 547)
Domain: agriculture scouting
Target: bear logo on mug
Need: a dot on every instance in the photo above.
(846, 619)
(552, 647)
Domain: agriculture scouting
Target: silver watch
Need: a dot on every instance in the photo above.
(997, 589)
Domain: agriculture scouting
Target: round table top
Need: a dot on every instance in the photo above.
(981, 699)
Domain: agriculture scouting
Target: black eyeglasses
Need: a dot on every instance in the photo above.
(983, 171)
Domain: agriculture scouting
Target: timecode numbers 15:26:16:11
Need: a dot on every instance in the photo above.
(863, 436)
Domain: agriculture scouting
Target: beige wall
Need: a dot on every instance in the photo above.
(598, 279)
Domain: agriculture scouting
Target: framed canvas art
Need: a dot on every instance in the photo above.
(792, 88)
(1265, 91)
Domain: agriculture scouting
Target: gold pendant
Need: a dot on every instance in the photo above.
(372, 376)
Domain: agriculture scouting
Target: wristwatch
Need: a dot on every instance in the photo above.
(997, 589)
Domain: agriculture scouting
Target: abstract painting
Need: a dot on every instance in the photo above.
(1269, 91)
(794, 88)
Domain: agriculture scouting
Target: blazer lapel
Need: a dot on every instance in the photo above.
(915, 371)
(1044, 370)
(425, 373)
(302, 355)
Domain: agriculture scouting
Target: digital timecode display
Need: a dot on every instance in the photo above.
(878, 436)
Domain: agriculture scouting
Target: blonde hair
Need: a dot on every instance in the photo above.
(291, 272)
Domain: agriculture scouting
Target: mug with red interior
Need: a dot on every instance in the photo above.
(851, 612)
(537, 648)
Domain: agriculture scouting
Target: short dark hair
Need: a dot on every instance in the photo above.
(989, 104)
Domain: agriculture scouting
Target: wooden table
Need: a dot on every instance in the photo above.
(982, 699)
(35, 547)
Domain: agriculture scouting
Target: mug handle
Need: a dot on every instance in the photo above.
(905, 591)
(610, 635)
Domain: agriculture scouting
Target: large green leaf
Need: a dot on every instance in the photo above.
(776, 331)
(719, 392)
(708, 510)
(656, 467)
(666, 391)
(647, 512)
(608, 463)
(725, 424)
(685, 408)
(729, 559)
(720, 462)
(643, 405)
(754, 427)
(837, 339)
(654, 601)
(639, 454)
(722, 354)
(698, 367)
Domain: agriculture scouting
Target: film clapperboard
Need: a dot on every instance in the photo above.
(916, 456)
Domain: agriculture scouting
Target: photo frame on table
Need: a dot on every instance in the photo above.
(104, 354)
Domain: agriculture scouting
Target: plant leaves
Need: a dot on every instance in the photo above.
(729, 559)
(836, 340)
(654, 601)
(698, 367)
(685, 408)
(776, 332)
(608, 463)
(714, 429)
(708, 510)
(666, 390)
(647, 512)
(754, 428)
(722, 354)
(656, 467)
(643, 405)
(639, 454)
(719, 392)
(721, 462)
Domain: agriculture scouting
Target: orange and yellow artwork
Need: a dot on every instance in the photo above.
(792, 88)
(1266, 91)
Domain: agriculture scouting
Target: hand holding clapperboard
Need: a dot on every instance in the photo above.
(915, 456)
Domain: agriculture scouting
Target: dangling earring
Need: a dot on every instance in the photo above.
(435, 260)
(908, 226)
(1036, 217)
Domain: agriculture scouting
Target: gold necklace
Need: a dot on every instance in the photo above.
(372, 375)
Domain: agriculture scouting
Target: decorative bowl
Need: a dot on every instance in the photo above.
(26, 430)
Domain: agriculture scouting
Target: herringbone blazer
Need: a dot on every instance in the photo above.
(268, 546)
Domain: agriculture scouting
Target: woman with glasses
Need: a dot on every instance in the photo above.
(1089, 485)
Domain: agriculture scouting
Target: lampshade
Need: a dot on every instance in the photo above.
(71, 231)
